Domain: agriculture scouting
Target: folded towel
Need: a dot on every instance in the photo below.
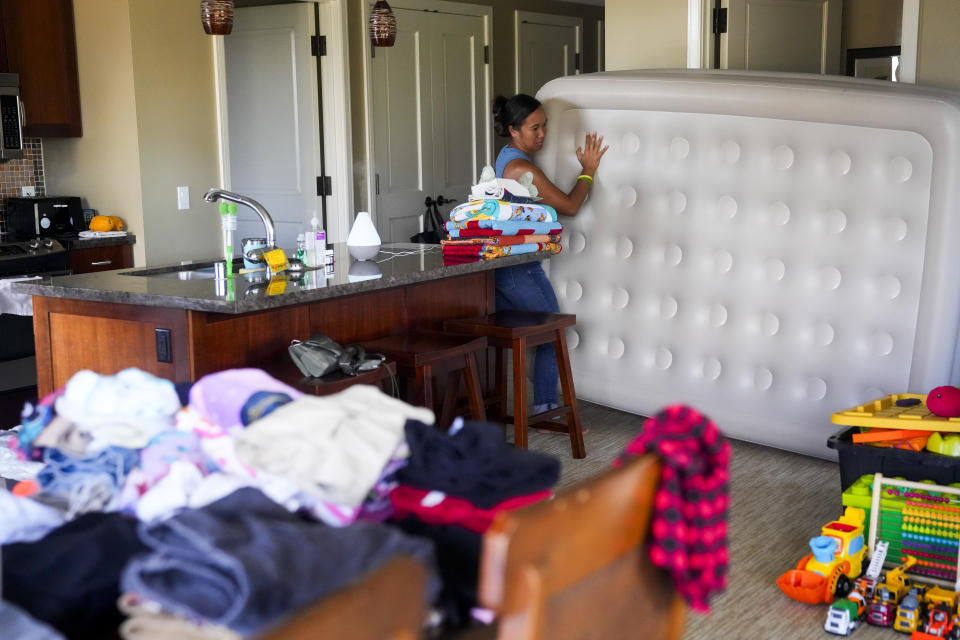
(474, 228)
(489, 252)
(502, 240)
(85, 235)
(498, 210)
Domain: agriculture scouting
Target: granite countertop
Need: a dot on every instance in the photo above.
(93, 243)
(172, 287)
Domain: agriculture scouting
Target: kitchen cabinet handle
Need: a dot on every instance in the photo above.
(100, 263)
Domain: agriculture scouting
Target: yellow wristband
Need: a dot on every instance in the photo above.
(584, 176)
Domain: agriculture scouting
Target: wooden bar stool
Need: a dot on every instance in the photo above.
(422, 354)
(286, 371)
(519, 330)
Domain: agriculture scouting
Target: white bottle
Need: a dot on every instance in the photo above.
(316, 243)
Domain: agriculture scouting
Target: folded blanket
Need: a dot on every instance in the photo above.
(502, 240)
(498, 210)
(244, 562)
(474, 228)
(489, 252)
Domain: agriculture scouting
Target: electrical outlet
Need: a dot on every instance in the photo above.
(28, 192)
(183, 198)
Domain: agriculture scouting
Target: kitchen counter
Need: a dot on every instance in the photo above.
(95, 243)
(183, 324)
(175, 288)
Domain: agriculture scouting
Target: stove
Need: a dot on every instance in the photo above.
(36, 256)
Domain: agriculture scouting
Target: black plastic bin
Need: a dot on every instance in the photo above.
(859, 459)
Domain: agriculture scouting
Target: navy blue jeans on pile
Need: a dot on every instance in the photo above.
(525, 287)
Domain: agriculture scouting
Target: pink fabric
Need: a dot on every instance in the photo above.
(452, 510)
(688, 533)
(218, 397)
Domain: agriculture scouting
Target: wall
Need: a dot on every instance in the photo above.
(646, 35)
(503, 61)
(22, 172)
(149, 125)
(177, 125)
(938, 46)
(103, 166)
(870, 23)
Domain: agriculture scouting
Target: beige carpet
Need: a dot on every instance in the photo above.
(779, 501)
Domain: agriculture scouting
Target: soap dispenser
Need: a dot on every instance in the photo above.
(316, 244)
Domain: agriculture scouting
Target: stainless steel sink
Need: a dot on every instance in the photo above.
(192, 271)
(193, 274)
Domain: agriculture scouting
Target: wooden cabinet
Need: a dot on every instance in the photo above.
(38, 42)
(106, 337)
(101, 258)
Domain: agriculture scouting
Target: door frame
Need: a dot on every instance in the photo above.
(442, 6)
(543, 18)
(335, 90)
(700, 36)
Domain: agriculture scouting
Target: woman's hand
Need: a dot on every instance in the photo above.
(589, 155)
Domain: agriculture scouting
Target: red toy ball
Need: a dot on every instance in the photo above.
(944, 402)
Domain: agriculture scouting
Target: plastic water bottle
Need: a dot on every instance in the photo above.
(301, 247)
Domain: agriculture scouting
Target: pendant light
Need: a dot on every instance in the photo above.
(383, 25)
(217, 16)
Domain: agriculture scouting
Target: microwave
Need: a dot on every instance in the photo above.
(49, 216)
(11, 117)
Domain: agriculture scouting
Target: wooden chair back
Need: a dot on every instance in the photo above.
(388, 604)
(576, 567)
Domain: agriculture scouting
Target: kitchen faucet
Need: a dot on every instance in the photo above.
(215, 194)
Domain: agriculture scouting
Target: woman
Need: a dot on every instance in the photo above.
(526, 287)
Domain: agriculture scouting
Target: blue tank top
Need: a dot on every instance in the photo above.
(507, 154)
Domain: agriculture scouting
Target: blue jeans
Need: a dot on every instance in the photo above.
(525, 287)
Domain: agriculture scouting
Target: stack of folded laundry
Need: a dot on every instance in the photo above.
(502, 218)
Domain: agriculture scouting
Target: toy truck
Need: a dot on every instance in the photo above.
(845, 614)
(836, 560)
(909, 611)
(888, 595)
(938, 625)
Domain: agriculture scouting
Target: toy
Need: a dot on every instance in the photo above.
(888, 594)
(845, 614)
(837, 558)
(944, 444)
(939, 624)
(944, 402)
(909, 611)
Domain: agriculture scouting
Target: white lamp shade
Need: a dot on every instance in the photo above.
(363, 241)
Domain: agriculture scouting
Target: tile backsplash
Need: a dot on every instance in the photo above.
(23, 172)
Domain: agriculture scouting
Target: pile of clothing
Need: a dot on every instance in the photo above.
(184, 510)
(502, 218)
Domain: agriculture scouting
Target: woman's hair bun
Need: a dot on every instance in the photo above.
(498, 103)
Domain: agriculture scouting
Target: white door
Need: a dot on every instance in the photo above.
(459, 110)
(782, 35)
(546, 47)
(273, 117)
(430, 120)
